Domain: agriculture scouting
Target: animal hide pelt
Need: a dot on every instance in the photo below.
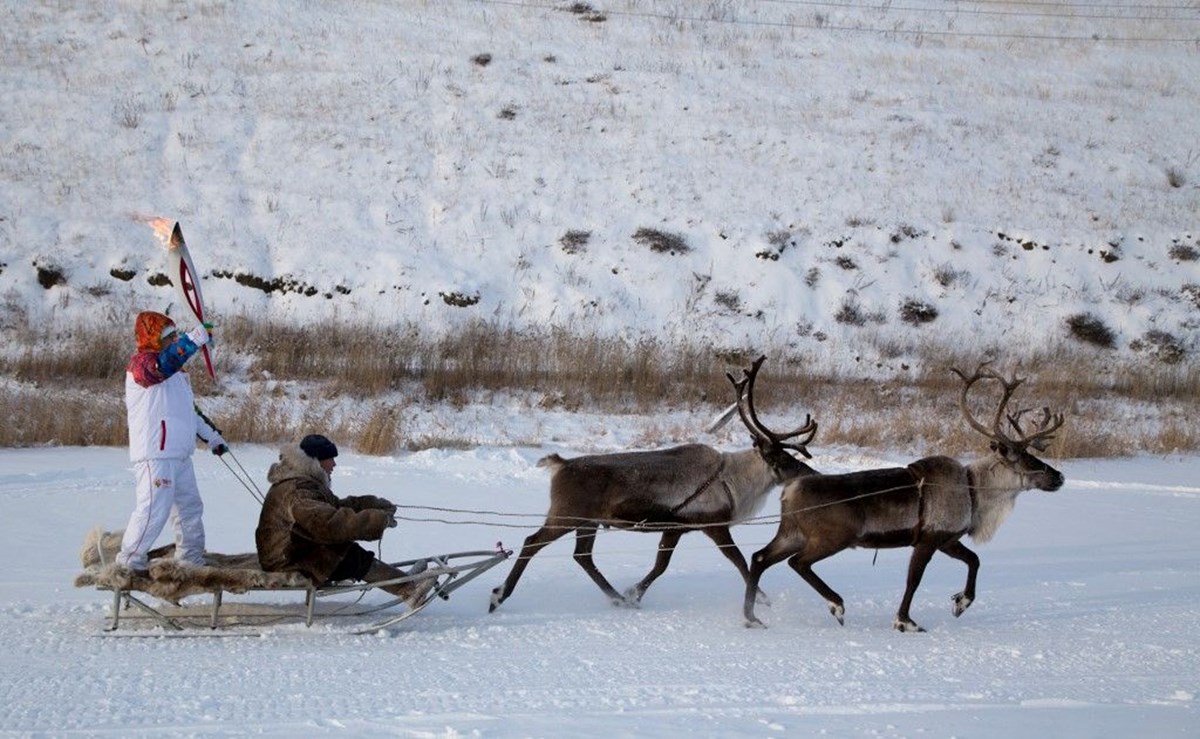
(171, 580)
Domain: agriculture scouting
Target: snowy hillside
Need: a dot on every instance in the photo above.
(833, 179)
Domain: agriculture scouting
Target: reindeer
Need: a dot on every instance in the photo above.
(684, 488)
(928, 505)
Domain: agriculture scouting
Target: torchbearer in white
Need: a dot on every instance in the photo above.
(163, 426)
(163, 419)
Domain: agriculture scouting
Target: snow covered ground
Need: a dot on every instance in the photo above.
(1085, 626)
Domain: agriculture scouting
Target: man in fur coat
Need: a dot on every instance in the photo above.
(163, 426)
(305, 528)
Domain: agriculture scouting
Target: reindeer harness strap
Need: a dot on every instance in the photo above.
(971, 491)
(920, 525)
(704, 486)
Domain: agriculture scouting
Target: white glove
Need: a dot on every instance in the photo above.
(198, 335)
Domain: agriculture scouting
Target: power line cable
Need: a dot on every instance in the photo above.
(894, 31)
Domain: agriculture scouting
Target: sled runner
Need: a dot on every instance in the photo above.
(170, 582)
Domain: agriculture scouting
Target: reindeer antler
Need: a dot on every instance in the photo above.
(745, 408)
(1048, 425)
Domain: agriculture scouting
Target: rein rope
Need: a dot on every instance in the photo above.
(242, 476)
(571, 523)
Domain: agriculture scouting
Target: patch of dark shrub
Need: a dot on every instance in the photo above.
(1089, 329)
(482, 60)
(916, 312)
(459, 300)
(906, 231)
(1160, 345)
(1191, 291)
(1184, 253)
(278, 284)
(158, 279)
(575, 242)
(49, 275)
(586, 12)
(779, 240)
(124, 275)
(661, 242)
(729, 300)
(850, 314)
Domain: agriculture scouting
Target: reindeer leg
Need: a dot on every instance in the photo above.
(916, 570)
(803, 567)
(724, 541)
(773, 553)
(585, 538)
(533, 544)
(666, 548)
(959, 551)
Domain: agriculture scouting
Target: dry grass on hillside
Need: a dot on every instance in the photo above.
(358, 383)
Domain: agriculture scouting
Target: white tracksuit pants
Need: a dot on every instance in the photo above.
(166, 489)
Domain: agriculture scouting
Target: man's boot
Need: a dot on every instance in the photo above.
(413, 592)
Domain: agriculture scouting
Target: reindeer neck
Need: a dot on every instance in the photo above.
(748, 469)
(994, 489)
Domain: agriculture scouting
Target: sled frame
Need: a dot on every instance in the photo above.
(451, 571)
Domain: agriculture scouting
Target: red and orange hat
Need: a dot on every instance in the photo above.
(150, 329)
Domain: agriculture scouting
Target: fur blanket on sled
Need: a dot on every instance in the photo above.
(171, 580)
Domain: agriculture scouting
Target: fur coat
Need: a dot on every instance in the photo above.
(304, 527)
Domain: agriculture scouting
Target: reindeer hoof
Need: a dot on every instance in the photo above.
(961, 603)
(754, 623)
(839, 612)
(633, 595)
(622, 602)
(761, 599)
(495, 600)
(907, 626)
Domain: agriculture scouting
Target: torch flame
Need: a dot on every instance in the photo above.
(163, 227)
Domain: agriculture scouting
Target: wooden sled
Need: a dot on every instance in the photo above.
(170, 582)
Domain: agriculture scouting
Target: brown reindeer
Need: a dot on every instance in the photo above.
(685, 488)
(928, 505)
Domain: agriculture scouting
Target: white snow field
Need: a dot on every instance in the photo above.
(1085, 624)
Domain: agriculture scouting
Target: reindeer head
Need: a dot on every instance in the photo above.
(772, 446)
(1013, 451)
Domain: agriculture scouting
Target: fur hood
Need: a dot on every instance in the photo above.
(293, 462)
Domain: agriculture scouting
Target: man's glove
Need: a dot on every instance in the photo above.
(212, 337)
(220, 449)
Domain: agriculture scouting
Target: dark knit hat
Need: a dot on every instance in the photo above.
(318, 447)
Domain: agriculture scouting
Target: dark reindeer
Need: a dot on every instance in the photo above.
(928, 505)
(685, 488)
